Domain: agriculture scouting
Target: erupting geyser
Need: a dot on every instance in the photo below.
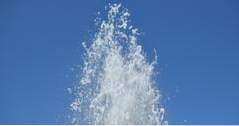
(116, 81)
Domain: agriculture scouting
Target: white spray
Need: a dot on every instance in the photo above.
(116, 84)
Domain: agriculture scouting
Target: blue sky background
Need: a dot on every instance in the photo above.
(197, 43)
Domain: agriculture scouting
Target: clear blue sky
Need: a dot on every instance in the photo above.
(197, 43)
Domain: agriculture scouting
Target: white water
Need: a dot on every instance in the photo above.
(116, 82)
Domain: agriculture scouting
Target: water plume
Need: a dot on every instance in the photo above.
(116, 83)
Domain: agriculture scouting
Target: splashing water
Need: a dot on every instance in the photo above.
(116, 84)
